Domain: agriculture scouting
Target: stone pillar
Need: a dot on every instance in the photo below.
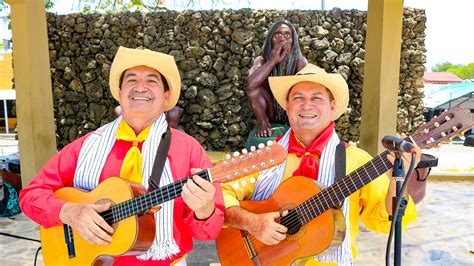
(381, 73)
(36, 129)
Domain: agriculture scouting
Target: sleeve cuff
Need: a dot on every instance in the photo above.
(53, 212)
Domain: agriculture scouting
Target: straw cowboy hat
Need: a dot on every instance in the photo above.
(281, 85)
(127, 58)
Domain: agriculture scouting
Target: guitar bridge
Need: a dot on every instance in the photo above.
(251, 252)
(69, 239)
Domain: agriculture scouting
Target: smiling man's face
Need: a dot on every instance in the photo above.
(142, 93)
(310, 108)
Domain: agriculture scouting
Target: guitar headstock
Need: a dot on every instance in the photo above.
(248, 162)
(447, 125)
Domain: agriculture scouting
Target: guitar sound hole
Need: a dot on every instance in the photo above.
(292, 222)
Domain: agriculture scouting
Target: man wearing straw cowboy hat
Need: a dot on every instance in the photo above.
(146, 83)
(313, 99)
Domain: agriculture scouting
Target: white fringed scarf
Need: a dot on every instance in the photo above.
(91, 161)
(269, 180)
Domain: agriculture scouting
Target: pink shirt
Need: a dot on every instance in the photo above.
(38, 202)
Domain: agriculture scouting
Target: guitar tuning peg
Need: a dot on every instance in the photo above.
(436, 124)
(244, 151)
(435, 116)
(261, 145)
(447, 118)
(455, 128)
(462, 137)
(252, 180)
(236, 153)
(269, 143)
(443, 134)
(227, 156)
(252, 148)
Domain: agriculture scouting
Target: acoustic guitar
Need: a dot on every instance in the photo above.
(314, 222)
(134, 225)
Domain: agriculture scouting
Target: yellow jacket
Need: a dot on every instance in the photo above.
(367, 204)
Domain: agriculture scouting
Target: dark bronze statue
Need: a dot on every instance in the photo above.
(281, 56)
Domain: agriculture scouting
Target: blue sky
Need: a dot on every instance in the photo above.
(448, 28)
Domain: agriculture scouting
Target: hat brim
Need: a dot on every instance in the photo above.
(127, 58)
(335, 83)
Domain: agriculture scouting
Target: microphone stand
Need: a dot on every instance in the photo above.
(398, 174)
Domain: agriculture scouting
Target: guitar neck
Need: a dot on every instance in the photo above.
(337, 192)
(147, 201)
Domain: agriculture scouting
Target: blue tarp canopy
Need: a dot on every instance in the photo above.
(451, 95)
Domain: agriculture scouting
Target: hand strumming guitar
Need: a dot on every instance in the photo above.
(262, 226)
(85, 219)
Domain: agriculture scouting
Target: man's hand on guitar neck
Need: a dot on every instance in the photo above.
(198, 194)
(262, 226)
(85, 219)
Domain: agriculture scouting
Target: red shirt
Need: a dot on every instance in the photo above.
(38, 202)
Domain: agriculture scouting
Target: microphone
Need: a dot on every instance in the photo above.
(395, 144)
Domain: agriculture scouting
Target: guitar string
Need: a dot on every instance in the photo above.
(327, 193)
(324, 193)
(167, 194)
(122, 210)
(351, 176)
(166, 190)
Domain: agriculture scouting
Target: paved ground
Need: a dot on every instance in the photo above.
(442, 235)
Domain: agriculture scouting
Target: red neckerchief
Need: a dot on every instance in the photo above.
(309, 166)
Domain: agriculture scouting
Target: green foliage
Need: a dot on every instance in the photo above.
(443, 67)
(113, 6)
(48, 4)
(462, 71)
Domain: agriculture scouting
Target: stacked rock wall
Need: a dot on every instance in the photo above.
(214, 51)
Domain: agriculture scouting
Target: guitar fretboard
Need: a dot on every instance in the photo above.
(147, 201)
(337, 192)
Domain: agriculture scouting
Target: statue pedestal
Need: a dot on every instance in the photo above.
(277, 130)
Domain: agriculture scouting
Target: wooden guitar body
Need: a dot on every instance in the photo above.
(131, 212)
(313, 223)
(132, 235)
(326, 231)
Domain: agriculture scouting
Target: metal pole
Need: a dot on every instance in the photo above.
(6, 114)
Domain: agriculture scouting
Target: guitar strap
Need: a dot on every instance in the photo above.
(340, 162)
(160, 159)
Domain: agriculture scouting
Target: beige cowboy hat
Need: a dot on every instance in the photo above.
(281, 85)
(126, 58)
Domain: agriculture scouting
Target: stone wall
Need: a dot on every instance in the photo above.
(214, 51)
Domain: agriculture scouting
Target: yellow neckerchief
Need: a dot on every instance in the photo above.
(132, 163)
